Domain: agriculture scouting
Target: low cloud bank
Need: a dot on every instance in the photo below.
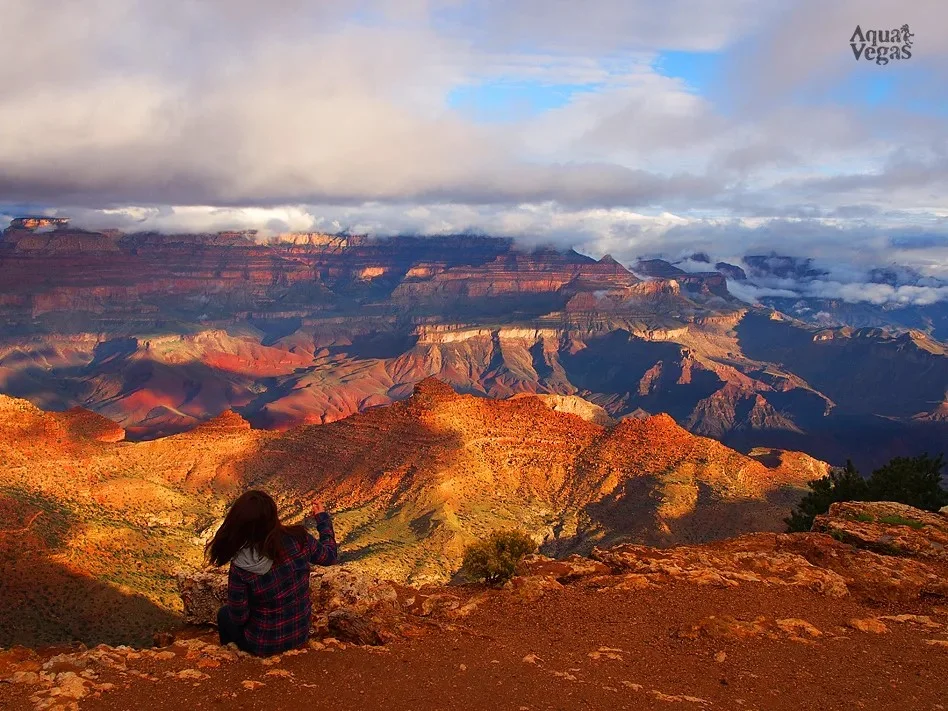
(887, 263)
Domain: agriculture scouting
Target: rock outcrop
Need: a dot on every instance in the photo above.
(876, 551)
(575, 405)
(358, 608)
(347, 604)
(202, 595)
(812, 561)
(565, 570)
(887, 527)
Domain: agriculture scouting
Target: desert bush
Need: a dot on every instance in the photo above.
(494, 559)
(915, 481)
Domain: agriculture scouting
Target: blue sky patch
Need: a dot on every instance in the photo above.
(698, 70)
(501, 101)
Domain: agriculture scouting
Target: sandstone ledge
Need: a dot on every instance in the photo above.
(888, 528)
(347, 604)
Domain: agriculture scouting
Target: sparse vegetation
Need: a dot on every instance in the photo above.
(915, 481)
(494, 560)
(901, 521)
(843, 484)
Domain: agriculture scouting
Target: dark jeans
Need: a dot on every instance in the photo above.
(230, 631)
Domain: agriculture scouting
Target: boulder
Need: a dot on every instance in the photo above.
(566, 570)
(348, 626)
(532, 587)
(337, 587)
(437, 603)
(871, 625)
(887, 527)
(869, 576)
(202, 594)
(347, 604)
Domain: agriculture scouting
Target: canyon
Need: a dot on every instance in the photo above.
(86, 513)
(646, 428)
(161, 332)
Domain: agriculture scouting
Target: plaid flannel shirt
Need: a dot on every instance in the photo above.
(274, 608)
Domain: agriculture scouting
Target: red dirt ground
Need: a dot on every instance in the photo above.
(484, 662)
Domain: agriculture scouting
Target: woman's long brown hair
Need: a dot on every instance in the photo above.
(251, 521)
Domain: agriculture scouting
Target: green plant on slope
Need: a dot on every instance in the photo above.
(494, 560)
(915, 481)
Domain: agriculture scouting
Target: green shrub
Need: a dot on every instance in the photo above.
(915, 481)
(901, 521)
(841, 485)
(494, 560)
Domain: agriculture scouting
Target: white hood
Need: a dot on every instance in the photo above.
(251, 561)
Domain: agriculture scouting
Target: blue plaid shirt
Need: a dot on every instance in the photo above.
(274, 608)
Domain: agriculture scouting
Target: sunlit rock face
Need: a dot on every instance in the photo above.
(161, 332)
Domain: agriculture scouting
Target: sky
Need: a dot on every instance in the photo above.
(633, 127)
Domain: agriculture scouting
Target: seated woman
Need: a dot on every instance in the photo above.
(268, 608)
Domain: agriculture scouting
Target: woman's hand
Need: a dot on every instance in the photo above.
(316, 507)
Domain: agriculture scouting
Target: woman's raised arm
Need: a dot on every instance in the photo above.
(323, 551)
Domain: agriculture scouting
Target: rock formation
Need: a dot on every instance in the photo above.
(814, 561)
(429, 473)
(160, 332)
(888, 528)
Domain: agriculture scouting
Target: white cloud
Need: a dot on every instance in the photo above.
(855, 292)
(299, 114)
(752, 294)
(233, 103)
(878, 293)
